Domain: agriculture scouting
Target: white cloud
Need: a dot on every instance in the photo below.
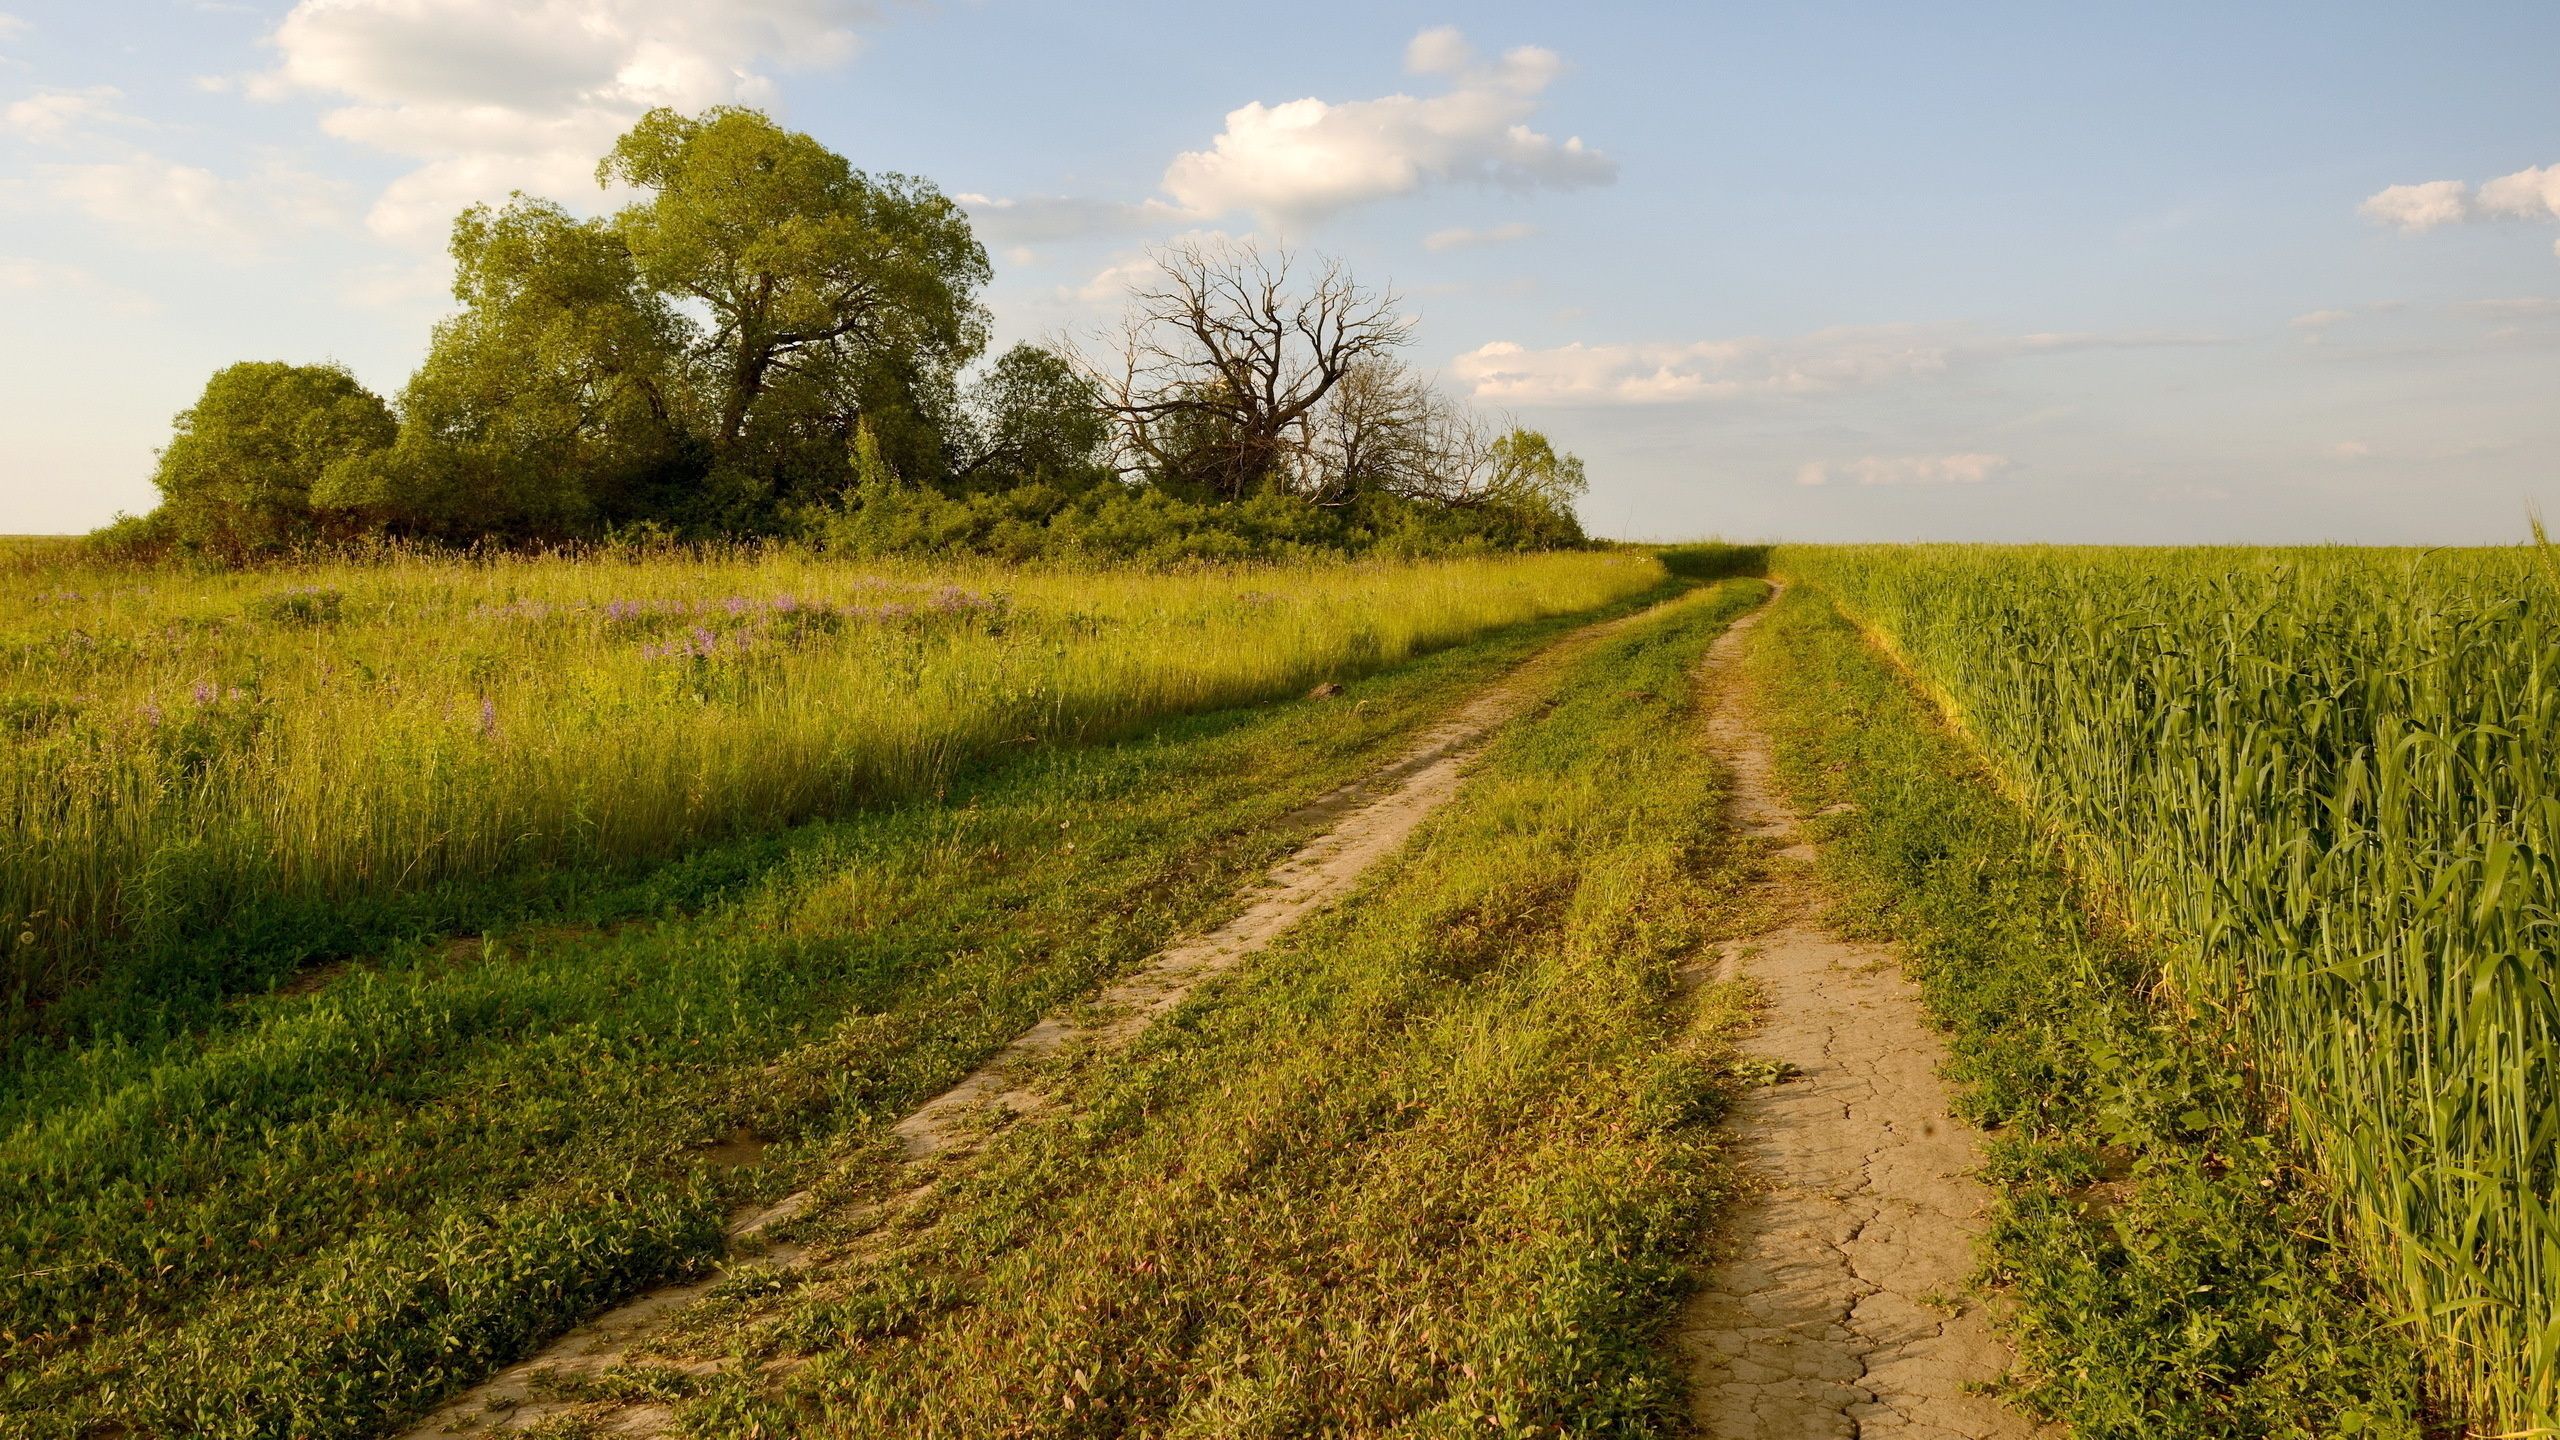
(55, 116)
(495, 95)
(161, 204)
(1825, 362)
(2525, 195)
(1465, 239)
(1298, 162)
(44, 277)
(1295, 163)
(2350, 450)
(2420, 207)
(2529, 194)
(2523, 308)
(1966, 469)
(1113, 282)
(2319, 319)
(1037, 218)
(155, 202)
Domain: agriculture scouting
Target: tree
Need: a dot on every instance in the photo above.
(1222, 364)
(833, 296)
(1032, 419)
(238, 476)
(555, 401)
(1537, 484)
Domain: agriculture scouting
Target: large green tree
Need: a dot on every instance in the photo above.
(834, 297)
(556, 401)
(1032, 419)
(238, 476)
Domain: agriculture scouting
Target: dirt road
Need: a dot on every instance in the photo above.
(1835, 1304)
(1364, 822)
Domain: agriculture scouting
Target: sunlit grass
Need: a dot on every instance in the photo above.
(176, 746)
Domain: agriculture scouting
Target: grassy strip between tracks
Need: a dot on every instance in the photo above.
(1431, 1166)
(316, 1218)
(2166, 1263)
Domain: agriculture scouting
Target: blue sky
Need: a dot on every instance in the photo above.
(1824, 271)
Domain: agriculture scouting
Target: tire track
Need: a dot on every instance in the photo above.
(1836, 1306)
(1365, 821)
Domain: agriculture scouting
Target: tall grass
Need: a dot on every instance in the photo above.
(175, 748)
(316, 1217)
(2325, 776)
(1432, 1166)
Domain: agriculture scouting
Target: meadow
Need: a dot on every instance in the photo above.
(415, 956)
(314, 1210)
(2320, 780)
(263, 754)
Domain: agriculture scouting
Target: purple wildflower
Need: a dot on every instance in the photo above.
(203, 693)
(151, 713)
(738, 604)
(488, 717)
(704, 642)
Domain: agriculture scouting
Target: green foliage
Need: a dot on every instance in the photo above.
(769, 340)
(2171, 1267)
(255, 757)
(554, 403)
(1537, 484)
(1032, 420)
(318, 1215)
(1713, 560)
(2321, 778)
(239, 476)
(1434, 1165)
(833, 294)
(1108, 521)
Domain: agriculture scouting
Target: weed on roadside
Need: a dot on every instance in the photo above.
(2163, 1260)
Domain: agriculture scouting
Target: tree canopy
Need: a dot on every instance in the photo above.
(237, 478)
(767, 340)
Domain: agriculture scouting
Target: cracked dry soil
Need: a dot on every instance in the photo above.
(1835, 1305)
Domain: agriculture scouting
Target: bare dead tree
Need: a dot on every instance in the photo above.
(1220, 369)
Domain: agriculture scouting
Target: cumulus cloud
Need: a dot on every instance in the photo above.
(495, 95)
(1755, 367)
(1295, 163)
(2419, 207)
(1966, 469)
(1301, 161)
(2529, 194)
(44, 277)
(1464, 239)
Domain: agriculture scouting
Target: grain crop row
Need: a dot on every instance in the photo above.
(2324, 777)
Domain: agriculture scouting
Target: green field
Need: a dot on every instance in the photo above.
(2319, 778)
(275, 752)
(395, 944)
